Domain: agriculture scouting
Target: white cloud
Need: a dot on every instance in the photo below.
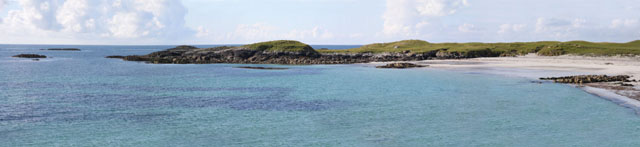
(264, 32)
(624, 23)
(2, 3)
(410, 17)
(508, 28)
(256, 31)
(466, 28)
(316, 32)
(439, 7)
(116, 20)
(202, 32)
(624, 28)
(559, 28)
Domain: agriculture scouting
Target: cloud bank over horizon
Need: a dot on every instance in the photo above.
(314, 21)
(91, 21)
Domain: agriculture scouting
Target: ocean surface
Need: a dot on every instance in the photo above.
(84, 99)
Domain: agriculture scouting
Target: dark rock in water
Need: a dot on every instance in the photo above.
(35, 59)
(608, 63)
(135, 58)
(115, 57)
(63, 49)
(588, 79)
(262, 68)
(29, 56)
(625, 84)
(401, 65)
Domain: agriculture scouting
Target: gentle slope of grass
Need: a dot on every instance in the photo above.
(280, 46)
(548, 48)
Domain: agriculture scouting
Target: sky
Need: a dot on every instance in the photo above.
(170, 22)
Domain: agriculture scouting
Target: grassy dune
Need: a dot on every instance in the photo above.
(547, 48)
(280, 46)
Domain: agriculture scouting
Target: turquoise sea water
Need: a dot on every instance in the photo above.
(83, 99)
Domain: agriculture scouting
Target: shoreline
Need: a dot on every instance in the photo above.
(534, 67)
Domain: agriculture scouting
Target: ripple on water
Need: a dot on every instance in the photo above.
(87, 106)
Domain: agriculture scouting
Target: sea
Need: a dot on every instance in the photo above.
(83, 99)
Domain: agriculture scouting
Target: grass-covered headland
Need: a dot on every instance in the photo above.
(280, 46)
(295, 52)
(545, 48)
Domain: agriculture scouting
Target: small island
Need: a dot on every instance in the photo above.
(295, 52)
(62, 49)
(29, 56)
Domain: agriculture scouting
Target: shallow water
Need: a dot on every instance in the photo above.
(83, 99)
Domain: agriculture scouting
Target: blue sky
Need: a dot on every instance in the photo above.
(314, 21)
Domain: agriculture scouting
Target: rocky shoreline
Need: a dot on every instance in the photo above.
(243, 55)
(583, 79)
(401, 65)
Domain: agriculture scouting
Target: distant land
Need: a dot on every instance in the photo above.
(545, 48)
(295, 52)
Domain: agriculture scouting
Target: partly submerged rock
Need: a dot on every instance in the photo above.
(262, 68)
(115, 57)
(401, 65)
(588, 79)
(63, 49)
(29, 56)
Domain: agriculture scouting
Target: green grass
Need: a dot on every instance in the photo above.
(280, 46)
(548, 48)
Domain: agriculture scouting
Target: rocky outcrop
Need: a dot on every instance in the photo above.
(401, 65)
(115, 57)
(583, 79)
(63, 49)
(29, 56)
(262, 68)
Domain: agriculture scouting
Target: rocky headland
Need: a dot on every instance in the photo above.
(286, 52)
(294, 52)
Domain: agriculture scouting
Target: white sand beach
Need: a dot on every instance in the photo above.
(594, 65)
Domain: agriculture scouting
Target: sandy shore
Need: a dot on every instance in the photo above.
(575, 64)
(535, 67)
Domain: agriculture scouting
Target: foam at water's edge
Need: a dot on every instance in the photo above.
(616, 98)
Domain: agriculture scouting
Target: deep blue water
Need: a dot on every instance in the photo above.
(83, 99)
